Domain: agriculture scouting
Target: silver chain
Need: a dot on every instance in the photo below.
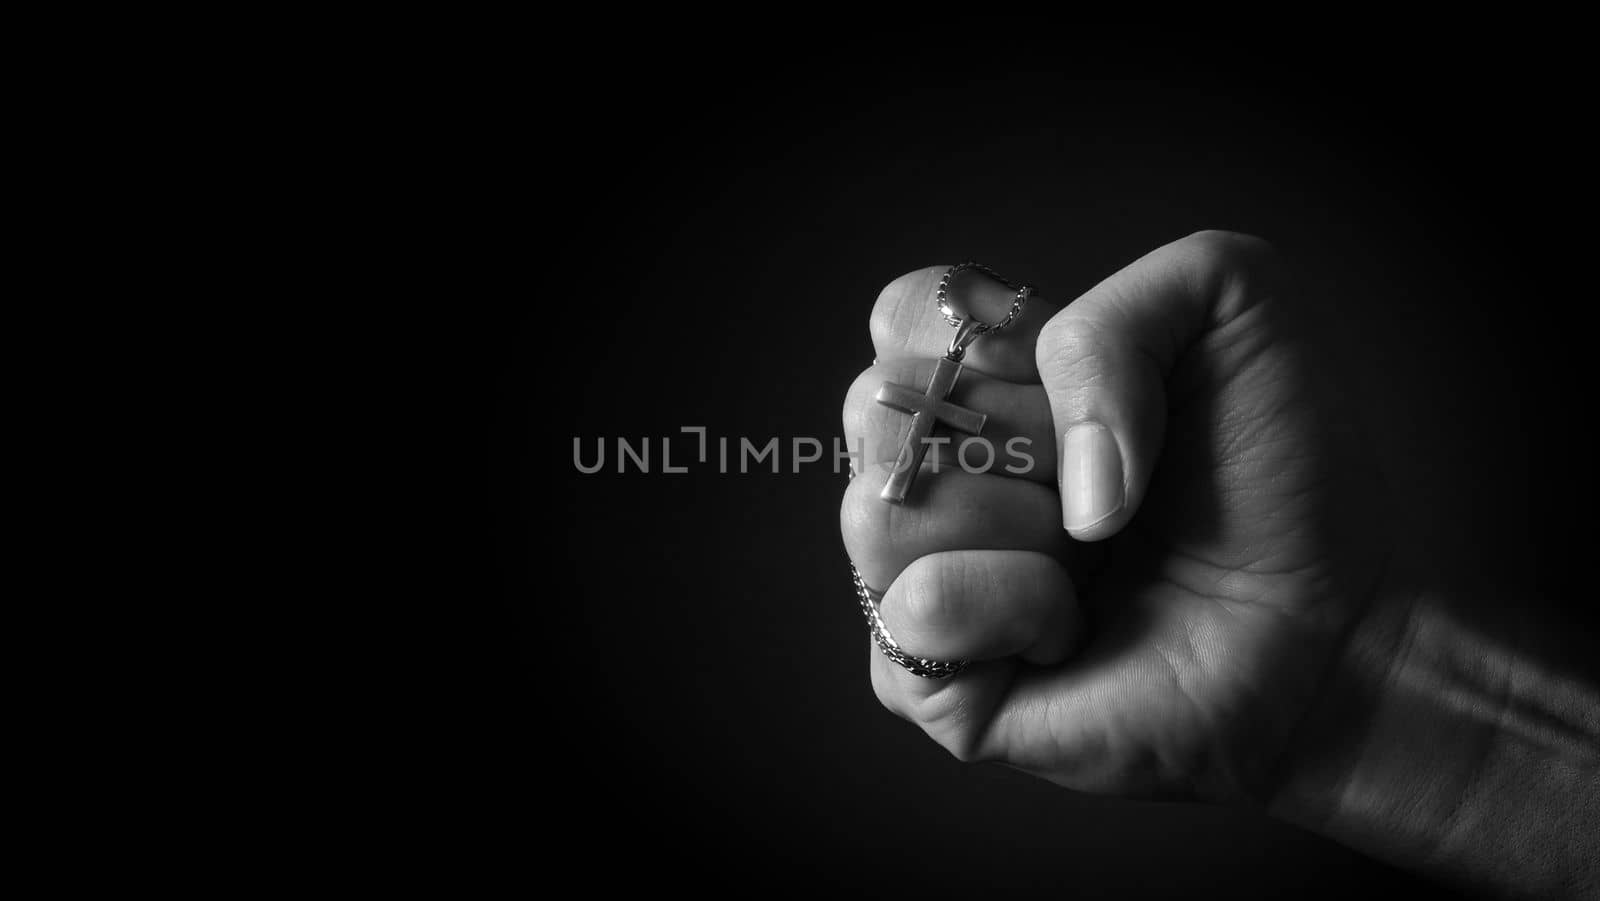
(919, 666)
(982, 328)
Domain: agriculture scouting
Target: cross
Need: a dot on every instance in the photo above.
(926, 409)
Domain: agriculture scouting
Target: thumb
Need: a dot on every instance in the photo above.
(1105, 359)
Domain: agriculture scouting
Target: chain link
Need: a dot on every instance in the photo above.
(983, 328)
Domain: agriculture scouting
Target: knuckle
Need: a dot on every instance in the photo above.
(899, 306)
(944, 714)
(864, 520)
(930, 597)
(858, 403)
(883, 690)
(1070, 347)
(879, 425)
(1236, 268)
(1228, 247)
(948, 717)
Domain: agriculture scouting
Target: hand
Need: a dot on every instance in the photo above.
(1218, 557)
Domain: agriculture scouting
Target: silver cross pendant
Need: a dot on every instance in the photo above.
(928, 409)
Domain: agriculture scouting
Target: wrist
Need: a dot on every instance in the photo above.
(1445, 742)
(1324, 781)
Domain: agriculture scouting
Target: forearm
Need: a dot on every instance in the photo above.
(1475, 755)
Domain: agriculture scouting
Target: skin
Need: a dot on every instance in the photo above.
(1187, 598)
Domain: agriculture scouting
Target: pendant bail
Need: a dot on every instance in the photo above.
(968, 330)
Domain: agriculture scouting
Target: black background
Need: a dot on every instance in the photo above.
(689, 663)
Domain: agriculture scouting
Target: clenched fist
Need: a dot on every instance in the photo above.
(1152, 608)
